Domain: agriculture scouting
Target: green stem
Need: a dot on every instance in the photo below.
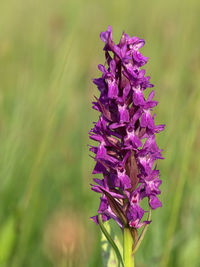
(128, 246)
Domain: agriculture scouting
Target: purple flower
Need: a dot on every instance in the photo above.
(126, 152)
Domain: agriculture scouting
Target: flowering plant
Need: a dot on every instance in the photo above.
(127, 148)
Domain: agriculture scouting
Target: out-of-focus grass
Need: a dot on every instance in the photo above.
(49, 51)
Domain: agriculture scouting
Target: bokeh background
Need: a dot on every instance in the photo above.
(49, 51)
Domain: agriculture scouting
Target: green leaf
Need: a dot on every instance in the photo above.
(108, 256)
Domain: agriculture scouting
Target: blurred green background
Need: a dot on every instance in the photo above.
(49, 51)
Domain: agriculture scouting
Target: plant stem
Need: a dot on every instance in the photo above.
(128, 245)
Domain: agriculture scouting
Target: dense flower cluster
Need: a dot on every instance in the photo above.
(126, 132)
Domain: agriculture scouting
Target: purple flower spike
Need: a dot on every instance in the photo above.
(125, 132)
